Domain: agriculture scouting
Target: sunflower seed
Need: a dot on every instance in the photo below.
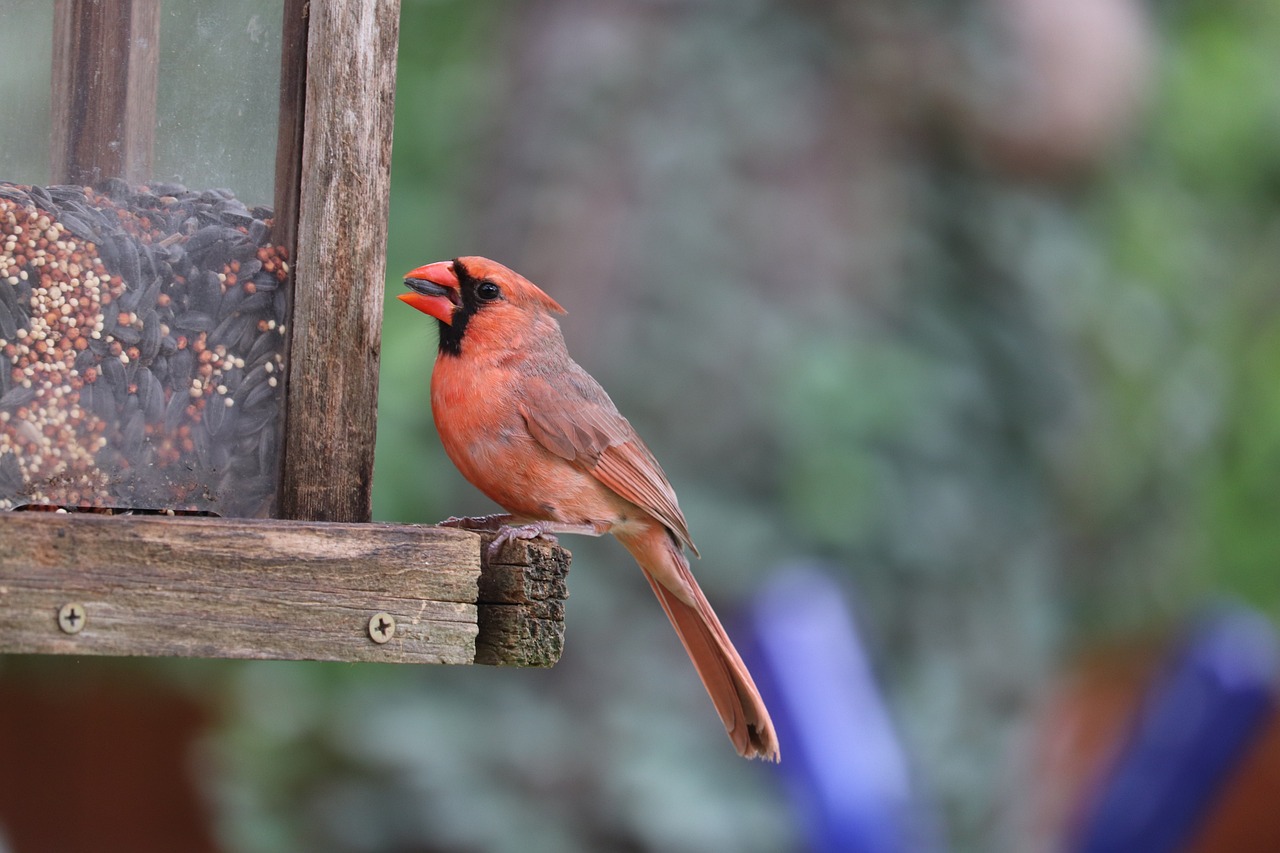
(16, 397)
(8, 325)
(8, 296)
(260, 394)
(175, 411)
(150, 395)
(133, 434)
(103, 402)
(215, 413)
(42, 198)
(128, 335)
(228, 330)
(150, 344)
(194, 321)
(113, 372)
(10, 473)
(265, 345)
(182, 366)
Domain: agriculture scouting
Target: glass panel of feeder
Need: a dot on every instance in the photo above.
(142, 294)
(26, 38)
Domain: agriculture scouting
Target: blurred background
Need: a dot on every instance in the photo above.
(973, 303)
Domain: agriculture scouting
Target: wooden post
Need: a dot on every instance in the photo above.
(335, 333)
(105, 70)
(293, 95)
(89, 584)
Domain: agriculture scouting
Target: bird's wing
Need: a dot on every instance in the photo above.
(574, 418)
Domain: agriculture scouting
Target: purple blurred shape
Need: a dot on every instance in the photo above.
(1196, 723)
(845, 770)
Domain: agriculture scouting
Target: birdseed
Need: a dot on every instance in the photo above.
(138, 329)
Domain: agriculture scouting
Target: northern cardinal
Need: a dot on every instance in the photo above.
(533, 431)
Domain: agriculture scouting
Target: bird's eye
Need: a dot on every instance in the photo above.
(487, 291)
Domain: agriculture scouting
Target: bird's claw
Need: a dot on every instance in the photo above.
(485, 523)
(510, 532)
(500, 525)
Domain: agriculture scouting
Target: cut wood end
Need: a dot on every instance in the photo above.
(521, 603)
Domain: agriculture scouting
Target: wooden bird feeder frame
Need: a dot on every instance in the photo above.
(317, 581)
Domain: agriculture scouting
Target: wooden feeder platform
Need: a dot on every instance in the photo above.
(85, 584)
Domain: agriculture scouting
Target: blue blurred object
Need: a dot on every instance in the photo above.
(846, 771)
(1194, 727)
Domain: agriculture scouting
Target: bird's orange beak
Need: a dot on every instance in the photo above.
(435, 290)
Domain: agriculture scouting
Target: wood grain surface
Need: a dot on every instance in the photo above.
(205, 587)
(336, 327)
(106, 61)
(523, 590)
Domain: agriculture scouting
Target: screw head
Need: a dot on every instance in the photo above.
(71, 617)
(382, 627)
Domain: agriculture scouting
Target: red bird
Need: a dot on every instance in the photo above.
(533, 431)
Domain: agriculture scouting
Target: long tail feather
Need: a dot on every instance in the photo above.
(719, 666)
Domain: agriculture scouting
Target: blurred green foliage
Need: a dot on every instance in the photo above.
(1027, 409)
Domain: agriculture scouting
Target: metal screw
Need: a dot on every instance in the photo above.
(71, 617)
(382, 627)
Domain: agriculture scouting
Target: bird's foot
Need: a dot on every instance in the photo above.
(510, 532)
(480, 523)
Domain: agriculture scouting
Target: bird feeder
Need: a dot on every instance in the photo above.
(191, 277)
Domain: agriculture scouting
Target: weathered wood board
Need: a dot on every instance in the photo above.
(338, 275)
(205, 587)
